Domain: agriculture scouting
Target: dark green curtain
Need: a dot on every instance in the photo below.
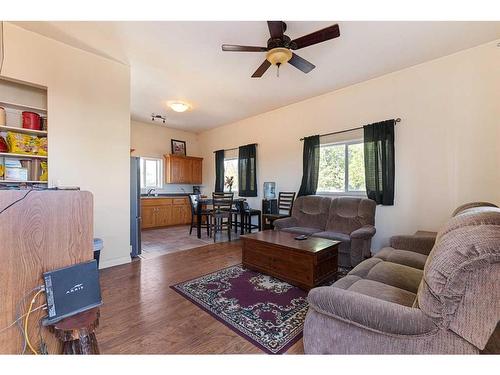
(247, 174)
(379, 161)
(310, 166)
(219, 170)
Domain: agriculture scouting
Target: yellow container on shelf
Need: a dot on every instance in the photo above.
(42, 146)
(45, 175)
(21, 143)
(26, 144)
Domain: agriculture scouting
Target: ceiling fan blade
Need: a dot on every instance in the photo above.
(235, 48)
(316, 37)
(276, 28)
(301, 64)
(261, 69)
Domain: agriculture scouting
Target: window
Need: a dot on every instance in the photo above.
(342, 168)
(151, 173)
(231, 169)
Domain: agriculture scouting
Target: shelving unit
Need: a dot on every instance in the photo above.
(22, 107)
(21, 156)
(23, 182)
(40, 133)
(15, 98)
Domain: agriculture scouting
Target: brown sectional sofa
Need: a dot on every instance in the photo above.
(423, 294)
(347, 219)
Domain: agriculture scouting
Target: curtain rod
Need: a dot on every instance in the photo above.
(347, 130)
(236, 148)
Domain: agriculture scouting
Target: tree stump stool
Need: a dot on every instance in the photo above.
(77, 333)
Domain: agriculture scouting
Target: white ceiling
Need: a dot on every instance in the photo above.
(183, 60)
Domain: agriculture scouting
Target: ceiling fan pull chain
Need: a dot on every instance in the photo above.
(278, 70)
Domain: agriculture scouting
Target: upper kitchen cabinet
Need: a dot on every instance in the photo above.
(183, 169)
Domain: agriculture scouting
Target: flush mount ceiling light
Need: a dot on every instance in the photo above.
(178, 106)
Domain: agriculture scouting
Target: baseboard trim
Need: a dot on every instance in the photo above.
(114, 262)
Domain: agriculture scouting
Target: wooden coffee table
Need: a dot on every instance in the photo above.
(306, 264)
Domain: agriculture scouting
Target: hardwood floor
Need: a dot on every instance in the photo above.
(143, 315)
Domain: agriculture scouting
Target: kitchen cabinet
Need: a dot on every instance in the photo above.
(197, 170)
(183, 169)
(164, 212)
(148, 217)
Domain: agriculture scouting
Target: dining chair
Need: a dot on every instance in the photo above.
(205, 214)
(285, 205)
(221, 215)
(246, 213)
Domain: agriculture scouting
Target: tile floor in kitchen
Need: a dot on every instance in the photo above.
(156, 242)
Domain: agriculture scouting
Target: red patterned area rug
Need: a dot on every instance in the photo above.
(266, 311)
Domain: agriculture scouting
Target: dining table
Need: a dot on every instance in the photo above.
(203, 202)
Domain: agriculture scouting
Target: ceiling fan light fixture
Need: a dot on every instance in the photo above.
(279, 55)
(178, 106)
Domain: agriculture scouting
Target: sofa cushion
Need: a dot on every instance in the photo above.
(362, 269)
(311, 211)
(337, 236)
(404, 257)
(376, 289)
(350, 213)
(346, 281)
(397, 275)
(344, 247)
(301, 230)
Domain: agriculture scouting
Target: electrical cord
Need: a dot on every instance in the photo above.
(16, 201)
(27, 319)
(18, 313)
(22, 316)
(43, 345)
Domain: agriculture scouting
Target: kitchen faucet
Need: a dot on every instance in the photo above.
(150, 191)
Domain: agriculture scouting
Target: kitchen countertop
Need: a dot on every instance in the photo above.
(164, 195)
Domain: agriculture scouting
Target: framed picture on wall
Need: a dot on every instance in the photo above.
(178, 147)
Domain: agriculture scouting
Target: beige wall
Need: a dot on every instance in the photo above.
(447, 145)
(89, 126)
(153, 140)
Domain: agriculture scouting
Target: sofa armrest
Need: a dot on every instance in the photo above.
(285, 222)
(368, 312)
(364, 233)
(417, 243)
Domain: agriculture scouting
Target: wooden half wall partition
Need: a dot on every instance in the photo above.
(44, 231)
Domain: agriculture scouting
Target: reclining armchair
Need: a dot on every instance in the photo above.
(435, 296)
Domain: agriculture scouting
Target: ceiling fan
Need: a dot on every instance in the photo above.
(279, 47)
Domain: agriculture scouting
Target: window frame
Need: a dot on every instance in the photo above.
(235, 184)
(159, 172)
(346, 191)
